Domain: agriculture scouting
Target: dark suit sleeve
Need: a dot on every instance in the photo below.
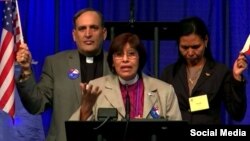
(166, 75)
(235, 97)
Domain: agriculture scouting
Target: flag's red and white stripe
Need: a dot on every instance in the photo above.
(9, 39)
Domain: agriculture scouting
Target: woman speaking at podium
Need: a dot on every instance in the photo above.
(128, 89)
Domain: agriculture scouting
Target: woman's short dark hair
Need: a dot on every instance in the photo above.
(118, 44)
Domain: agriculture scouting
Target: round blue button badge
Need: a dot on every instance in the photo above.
(73, 74)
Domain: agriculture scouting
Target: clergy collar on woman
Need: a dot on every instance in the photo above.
(129, 82)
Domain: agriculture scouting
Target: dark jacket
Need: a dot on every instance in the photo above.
(216, 80)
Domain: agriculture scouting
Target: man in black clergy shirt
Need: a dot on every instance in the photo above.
(62, 73)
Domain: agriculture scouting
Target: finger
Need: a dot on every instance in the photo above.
(82, 85)
(97, 90)
(23, 46)
(23, 59)
(241, 64)
(242, 54)
(242, 58)
(83, 88)
(89, 89)
(87, 86)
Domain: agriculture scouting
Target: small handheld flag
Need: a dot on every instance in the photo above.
(246, 48)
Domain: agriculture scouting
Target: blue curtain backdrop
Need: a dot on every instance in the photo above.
(47, 28)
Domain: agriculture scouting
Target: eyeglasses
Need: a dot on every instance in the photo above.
(130, 55)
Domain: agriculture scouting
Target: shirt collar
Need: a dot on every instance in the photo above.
(129, 82)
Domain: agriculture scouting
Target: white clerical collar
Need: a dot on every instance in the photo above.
(89, 60)
(130, 82)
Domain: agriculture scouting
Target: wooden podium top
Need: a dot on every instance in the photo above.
(145, 30)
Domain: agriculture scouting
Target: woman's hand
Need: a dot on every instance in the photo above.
(240, 65)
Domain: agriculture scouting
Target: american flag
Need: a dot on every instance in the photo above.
(10, 39)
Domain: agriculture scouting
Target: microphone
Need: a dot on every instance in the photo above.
(127, 106)
(104, 113)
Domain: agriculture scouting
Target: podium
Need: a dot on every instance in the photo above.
(134, 130)
(154, 31)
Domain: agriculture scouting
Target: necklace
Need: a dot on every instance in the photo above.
(191, 81)
(192, 77)
(193, 74)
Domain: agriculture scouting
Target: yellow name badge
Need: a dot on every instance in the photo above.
(198, 103)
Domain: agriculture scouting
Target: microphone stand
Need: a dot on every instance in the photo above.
(127, 106)
(127, 116)
(132, 15)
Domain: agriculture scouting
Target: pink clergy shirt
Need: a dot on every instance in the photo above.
(136, 96)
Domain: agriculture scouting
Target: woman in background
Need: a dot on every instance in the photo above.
(202, 84)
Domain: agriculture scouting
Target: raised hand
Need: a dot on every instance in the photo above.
(240, 65)
(23, 57)
(89, 97)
